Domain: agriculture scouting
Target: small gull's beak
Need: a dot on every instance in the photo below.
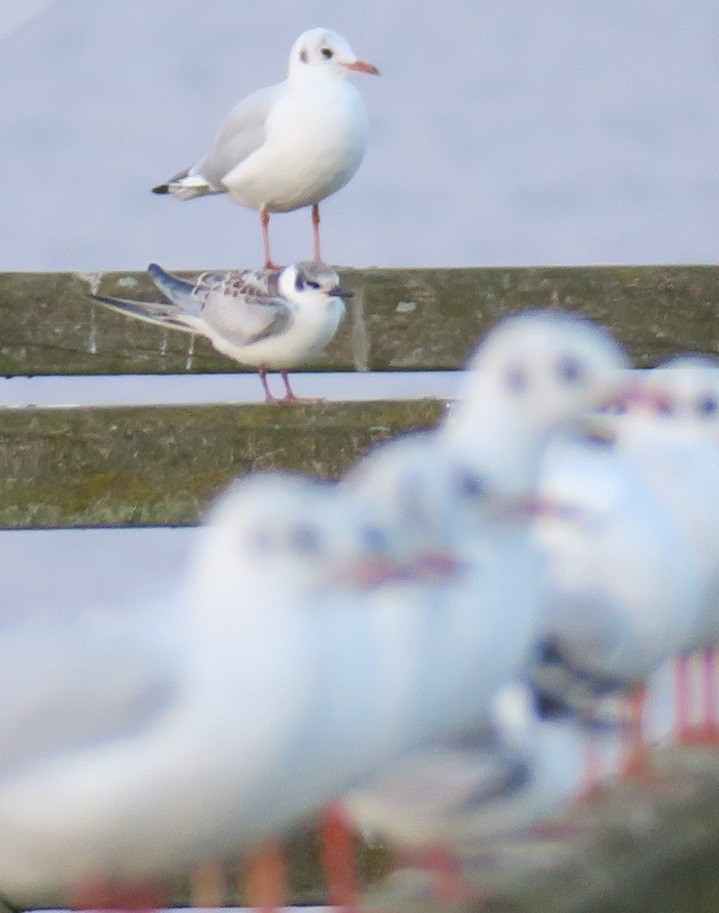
(360, 66)
(437, 566)
(339, 291)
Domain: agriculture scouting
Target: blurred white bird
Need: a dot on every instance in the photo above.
(267, 319)
(670, 433)
(535, 375)
(474, 802)
(289, 145)
(260, 697)
(624, 588)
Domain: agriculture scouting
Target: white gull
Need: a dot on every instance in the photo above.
(290, 145)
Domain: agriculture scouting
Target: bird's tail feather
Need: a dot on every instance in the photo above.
(185, 186)
(158, 313)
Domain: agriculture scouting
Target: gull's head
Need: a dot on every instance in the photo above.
(311, 283)
(273, 536)
(683, 392)
(322, 51)
(434, 503)
(545, 368)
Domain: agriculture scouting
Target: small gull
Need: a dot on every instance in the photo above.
(267, 319)
(290, 145)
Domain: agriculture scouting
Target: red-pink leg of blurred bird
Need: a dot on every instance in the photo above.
(681, 701)
(338, 846)
(316, 231)
(591, 768)
(450, 885)
(266, 879)
(710, 728)
(101, 895)
(636, 759)
(265, 223)
(707, 733)
(91, 895)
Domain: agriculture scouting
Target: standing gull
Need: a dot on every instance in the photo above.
(290, 145)
(263, 318)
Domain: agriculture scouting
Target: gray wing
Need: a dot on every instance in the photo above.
(242, 132)
(243, 307)
(74, 682)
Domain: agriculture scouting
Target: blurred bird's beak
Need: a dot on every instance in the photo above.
(367, 573)
(359, 66)
(339, 291)
(436, 566)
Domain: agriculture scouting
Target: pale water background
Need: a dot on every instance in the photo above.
(504, 132)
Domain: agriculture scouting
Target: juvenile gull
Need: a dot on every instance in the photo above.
(290, 145)
(267, 319)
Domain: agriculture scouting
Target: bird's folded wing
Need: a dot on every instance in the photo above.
(245, 319)
(158, 313)
(69, 683)
(242, 132)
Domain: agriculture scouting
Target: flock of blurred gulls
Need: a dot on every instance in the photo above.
(428, 648)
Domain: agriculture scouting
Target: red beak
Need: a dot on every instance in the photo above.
(360, 66)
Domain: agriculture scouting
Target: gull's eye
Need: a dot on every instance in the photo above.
(374, 539)
(570, 370)
(470, 485)
(516, 379)
(326, 53)
(305, 540)
(310, 283)
(260, 541)
(707, 405)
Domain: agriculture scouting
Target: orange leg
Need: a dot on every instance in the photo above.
(266, 879)
(337, 842)
(681, 690)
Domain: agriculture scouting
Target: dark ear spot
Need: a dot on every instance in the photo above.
(303, 55)
(299, 281)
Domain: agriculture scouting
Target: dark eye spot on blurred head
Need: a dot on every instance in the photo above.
(326, 53)
(570, 370)
(516, 379)
(470, 485)
(707, 405)
(305, 540)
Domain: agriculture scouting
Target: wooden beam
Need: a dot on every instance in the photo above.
(147, 466)
(408, 319)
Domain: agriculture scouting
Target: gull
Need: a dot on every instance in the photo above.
(624, 588)
(532, 378)
(485, 795)
(267, 319)
(290, 145)
(670, 432)
(229, 714)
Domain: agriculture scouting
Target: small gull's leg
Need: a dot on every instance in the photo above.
(316, 231)
(681, 691)
(290, 397)
(637, 759)
(269, 398)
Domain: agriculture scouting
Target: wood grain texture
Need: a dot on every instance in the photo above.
(399, 319)
(147, 466)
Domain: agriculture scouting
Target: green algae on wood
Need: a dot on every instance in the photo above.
(399, 319)
(143, 466)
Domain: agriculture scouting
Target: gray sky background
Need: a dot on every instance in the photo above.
(524, 132)
(503, 132)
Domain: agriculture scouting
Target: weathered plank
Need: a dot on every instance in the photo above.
(144, 466)
(408, 319)
(644, 845)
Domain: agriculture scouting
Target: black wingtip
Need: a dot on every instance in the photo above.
(161, 188)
